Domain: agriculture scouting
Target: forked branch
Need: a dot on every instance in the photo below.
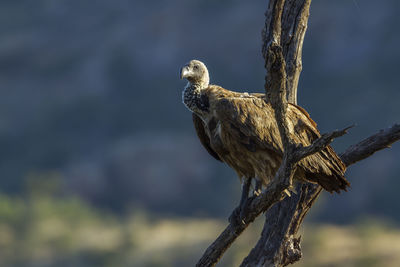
(283, 35)
(279, 243)
(270, 196)
(282, 181)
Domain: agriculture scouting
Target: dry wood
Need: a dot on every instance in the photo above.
(279, 241)
(283, 35)
(284, 219)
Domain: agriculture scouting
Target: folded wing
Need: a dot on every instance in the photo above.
(255, 122)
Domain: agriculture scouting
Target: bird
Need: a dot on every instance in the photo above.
(240, 130)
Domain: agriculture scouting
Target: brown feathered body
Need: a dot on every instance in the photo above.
(240, 129)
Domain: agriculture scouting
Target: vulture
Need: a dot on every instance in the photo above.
(240, 130)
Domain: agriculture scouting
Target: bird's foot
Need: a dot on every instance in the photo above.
(291, 189)
(258, 188)
(243, 211)
(287, 192)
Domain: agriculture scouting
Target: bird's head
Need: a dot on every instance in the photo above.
(196, 73)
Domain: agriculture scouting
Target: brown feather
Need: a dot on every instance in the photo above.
(240, 129)
(204, 139)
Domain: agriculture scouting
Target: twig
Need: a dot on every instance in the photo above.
(367, 147)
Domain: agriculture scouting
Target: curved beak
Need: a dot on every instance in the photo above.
(185, 72)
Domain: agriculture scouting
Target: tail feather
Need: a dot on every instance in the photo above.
(330, 171)
(331, 183)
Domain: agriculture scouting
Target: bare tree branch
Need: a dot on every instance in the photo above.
(284, 219)
(367, 147)
(283, 35)
(292, 154)
(282, 210)
(257, 205)
(286, 25)
(321, 142)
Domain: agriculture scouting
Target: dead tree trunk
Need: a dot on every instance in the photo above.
(285, 25)
(283, 35)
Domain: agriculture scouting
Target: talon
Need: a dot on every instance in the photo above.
(242, 214)
(287, 192)
(258, 187)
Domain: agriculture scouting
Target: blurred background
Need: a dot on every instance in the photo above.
(100, 164)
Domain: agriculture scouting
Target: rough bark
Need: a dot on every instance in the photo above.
(286, 24)
(284, 219)
(283, 35)
(365, 148)
(279, 243)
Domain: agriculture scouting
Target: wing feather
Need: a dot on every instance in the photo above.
(252, 119)
(204, 139)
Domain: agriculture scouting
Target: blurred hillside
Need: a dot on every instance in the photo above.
(90, 94)
(44, 230)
